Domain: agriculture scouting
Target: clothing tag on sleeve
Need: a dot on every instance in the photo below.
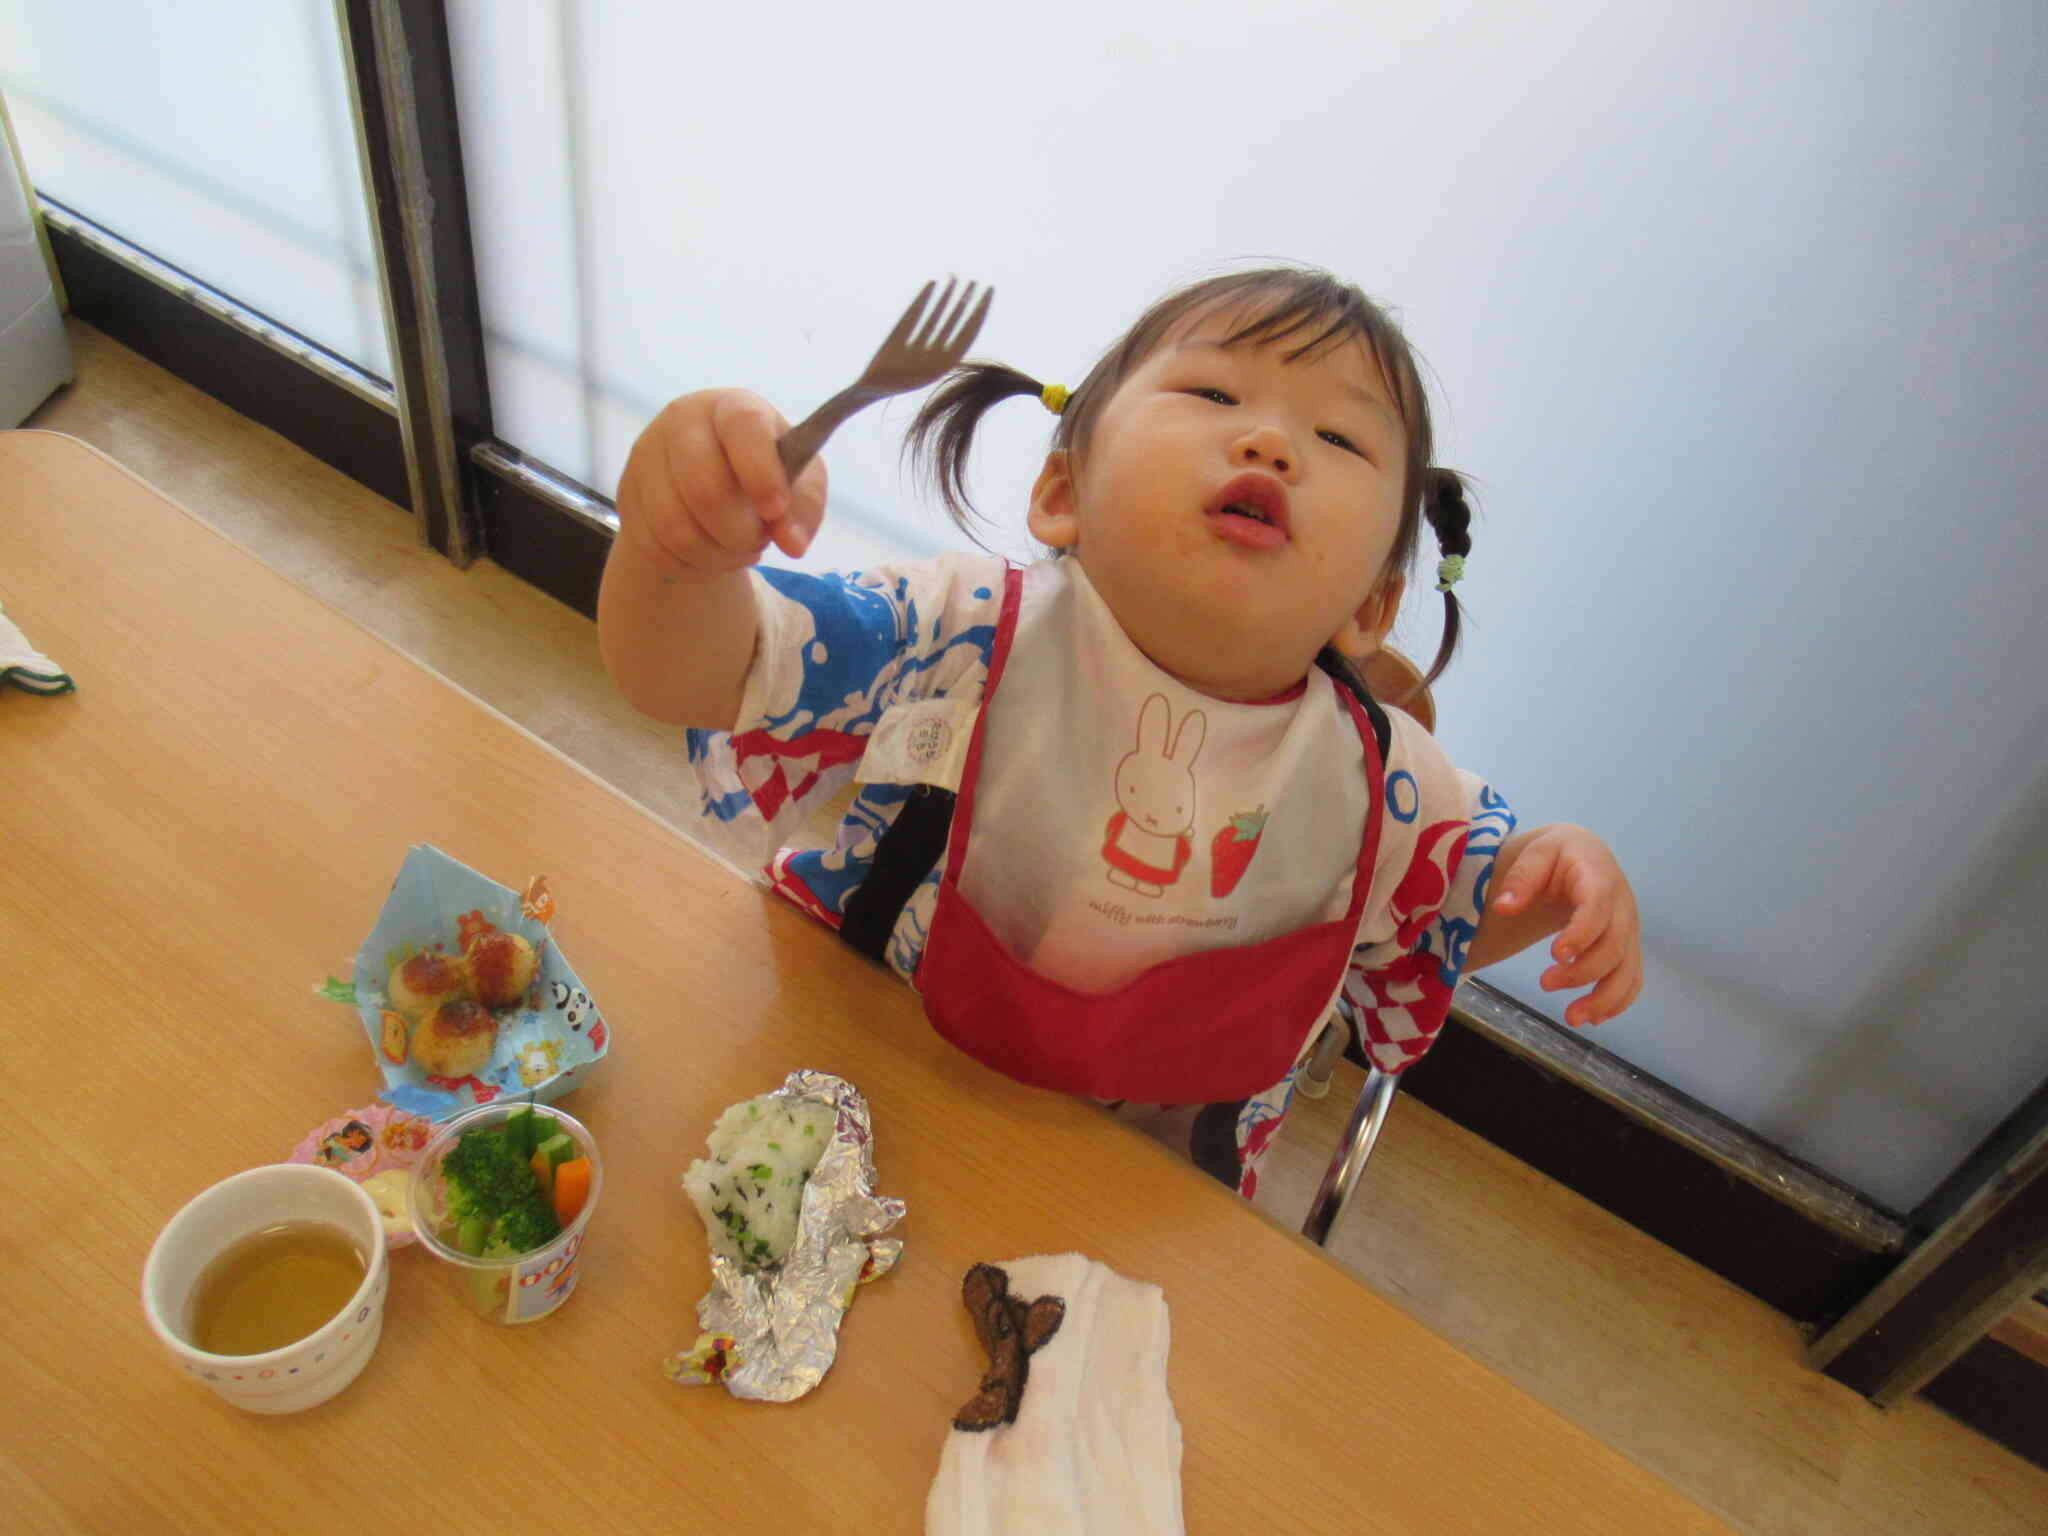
(924, 742)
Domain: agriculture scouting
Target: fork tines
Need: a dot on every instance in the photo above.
(951, 330)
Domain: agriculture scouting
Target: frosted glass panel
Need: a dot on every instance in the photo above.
(1735, 311)
(216, 136)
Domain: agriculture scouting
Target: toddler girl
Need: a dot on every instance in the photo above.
(1127, 818)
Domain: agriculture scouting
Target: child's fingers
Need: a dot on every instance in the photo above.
(1617, 990)
(748, 428)
(1592, 916)
(1589, 964)
(1525, 877)
(719, 527)
(799, 525)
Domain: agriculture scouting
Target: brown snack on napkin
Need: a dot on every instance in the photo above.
(1010, 1330)
(1073, 1432)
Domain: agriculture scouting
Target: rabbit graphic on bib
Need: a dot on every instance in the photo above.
(1146, 845)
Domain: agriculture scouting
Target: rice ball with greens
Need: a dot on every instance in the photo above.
(751, 1188)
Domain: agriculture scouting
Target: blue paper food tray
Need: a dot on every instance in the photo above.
(546, 1045)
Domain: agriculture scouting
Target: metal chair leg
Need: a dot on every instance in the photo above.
(1313, 1080)
(1368, 1118)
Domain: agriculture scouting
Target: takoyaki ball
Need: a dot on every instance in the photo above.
(426, 981)
(501, 967)
(455, 1040)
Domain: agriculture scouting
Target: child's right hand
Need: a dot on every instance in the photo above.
(704, 494)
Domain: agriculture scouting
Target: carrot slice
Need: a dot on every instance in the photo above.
(544, 1172)
(572, 1188)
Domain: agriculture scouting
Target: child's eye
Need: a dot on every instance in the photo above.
(1339, 440)
(1216, 395)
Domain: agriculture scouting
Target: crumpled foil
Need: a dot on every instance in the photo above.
(771, 1335)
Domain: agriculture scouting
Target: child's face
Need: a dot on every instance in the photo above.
(1231, 604)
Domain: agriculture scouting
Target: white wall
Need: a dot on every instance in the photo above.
(1736, 312)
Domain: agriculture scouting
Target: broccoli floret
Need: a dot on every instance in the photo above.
(528, 1224)
(491, 1186)
(485, 1176)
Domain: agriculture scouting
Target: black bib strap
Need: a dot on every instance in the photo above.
(1347, 676)
(903, 858)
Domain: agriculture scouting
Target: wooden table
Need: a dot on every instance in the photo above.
(206, 829)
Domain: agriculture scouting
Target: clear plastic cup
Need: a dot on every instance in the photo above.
(516, 1290)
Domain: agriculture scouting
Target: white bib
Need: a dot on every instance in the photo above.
(1122, 819)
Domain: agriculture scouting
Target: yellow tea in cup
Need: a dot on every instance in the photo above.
(274, 1287)
(208, 1287)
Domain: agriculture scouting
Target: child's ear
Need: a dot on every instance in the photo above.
(1366, 630)
(1051, 519)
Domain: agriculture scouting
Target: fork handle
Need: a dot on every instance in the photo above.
(800, 444)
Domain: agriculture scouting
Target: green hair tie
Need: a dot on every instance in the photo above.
(1448, 571)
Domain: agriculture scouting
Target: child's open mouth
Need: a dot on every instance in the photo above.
(1250, 511)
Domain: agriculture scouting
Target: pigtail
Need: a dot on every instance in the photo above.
(940, 437)
(1444, 504)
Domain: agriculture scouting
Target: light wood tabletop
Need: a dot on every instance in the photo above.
(207, 828)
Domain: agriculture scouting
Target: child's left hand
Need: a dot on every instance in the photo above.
(1562, 879)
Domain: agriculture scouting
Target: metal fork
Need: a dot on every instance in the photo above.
(912, 357)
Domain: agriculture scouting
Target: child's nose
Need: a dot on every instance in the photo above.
(1269, 447)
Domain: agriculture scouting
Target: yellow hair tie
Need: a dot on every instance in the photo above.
(1055, 397)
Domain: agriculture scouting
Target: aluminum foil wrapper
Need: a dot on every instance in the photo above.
(771, 1335)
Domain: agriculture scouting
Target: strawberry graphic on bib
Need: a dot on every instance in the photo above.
(1231, 850)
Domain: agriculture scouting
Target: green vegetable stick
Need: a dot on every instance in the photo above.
(521, 1128)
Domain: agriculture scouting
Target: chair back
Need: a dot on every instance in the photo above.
(1397, 683)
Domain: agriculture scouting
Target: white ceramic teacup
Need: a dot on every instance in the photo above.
(300, 1374)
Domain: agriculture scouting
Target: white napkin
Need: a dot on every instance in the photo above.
(26, 667)
(1095, 1446)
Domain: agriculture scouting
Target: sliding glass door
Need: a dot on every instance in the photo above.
(217, 136)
